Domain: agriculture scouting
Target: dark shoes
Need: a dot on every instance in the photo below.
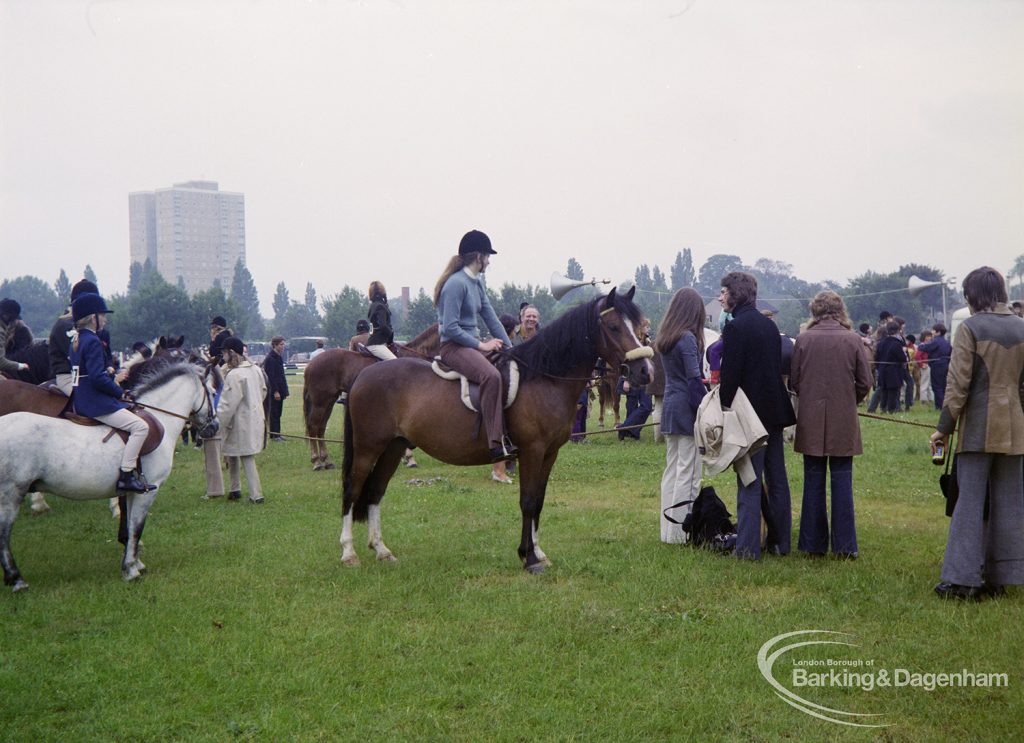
(507, 450)
(277, 438)
(131, 482)
(235, 495)
(961, 593)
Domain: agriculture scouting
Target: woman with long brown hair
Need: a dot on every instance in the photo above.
(680, 342)
(831, 374)
(460, 297)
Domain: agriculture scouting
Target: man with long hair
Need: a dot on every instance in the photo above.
(752, 361)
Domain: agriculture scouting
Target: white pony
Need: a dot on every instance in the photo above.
(57, 456)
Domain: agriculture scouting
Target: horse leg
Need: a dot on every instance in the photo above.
(11, 500)
(115, 508)
(321, 428)
(137, 506)
(39, 504)
(374, 488)
(348, 552)
(532, 487)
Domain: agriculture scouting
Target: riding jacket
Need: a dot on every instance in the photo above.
(380, 320)
(463, 298)
(95, 392)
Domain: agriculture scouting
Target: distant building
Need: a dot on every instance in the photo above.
(192, 231)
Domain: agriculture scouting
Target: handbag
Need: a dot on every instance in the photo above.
(948, 484)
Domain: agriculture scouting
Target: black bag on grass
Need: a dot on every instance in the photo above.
(709, 523)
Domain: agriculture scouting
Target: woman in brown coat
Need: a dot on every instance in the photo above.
(830, 373)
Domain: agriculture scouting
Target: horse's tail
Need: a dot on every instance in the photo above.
(307, 406)
(358, 504)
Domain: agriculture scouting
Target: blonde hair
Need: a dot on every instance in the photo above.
(78, 326)
(232, 360)
(376, 288)
(827, 305)
(455, 264)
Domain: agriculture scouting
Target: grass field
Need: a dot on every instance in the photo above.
(247, 627)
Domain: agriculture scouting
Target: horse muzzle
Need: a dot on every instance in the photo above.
(209, 430)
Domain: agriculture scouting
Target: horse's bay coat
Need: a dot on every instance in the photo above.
(241, 410)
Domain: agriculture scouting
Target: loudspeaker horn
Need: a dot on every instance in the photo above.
(560, 285)
(917, 285)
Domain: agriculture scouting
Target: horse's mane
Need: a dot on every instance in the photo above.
(421, 340)
(157, 371)
(561, 345)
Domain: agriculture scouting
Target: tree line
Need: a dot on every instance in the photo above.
(152, 306)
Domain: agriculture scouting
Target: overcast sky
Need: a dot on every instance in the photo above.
(368, 136)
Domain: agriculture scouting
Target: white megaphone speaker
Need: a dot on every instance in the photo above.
(560, 285)
(916, 285)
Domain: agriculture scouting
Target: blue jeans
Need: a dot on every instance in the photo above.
(772, 499)
(638, 410)
(814, 528)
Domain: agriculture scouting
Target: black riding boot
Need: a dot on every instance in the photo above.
(130, 482)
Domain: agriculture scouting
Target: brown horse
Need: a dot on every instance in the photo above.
(401, 402)
(331, 373)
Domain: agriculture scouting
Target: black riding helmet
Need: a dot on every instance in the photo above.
(10, 310)
(88, 304)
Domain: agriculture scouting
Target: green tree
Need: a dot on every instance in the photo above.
(134, 277)
(714, 268)
(1018, 271)
(62, 288)
(155, 308)
(298, 321)
(213, 301)
(422, 314)
(311, 300)
(245, 298)
(281, 301)
(574, 270)
(682, 271)
(343, 310)
(642, 278)
(40, 305)
(90, 274)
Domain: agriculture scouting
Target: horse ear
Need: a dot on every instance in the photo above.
(631, 292)
(180, 342)
(609, 301)
(162, 342)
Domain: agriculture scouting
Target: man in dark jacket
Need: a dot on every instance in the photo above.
(277, 385)
(939, 351)
(752, 361)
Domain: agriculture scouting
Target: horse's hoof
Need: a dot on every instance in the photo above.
(317, 467)
(40, 508)
(19, 585)
(352, 561)
(535, 569)
(329, 466)
(387, 557)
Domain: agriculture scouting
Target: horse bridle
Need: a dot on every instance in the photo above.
(210, 421)
(642, 352)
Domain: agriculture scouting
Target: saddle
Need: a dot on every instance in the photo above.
(470, 391)
(153, 438)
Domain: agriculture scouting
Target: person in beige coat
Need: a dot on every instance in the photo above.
(831, 375)
(242, 420)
